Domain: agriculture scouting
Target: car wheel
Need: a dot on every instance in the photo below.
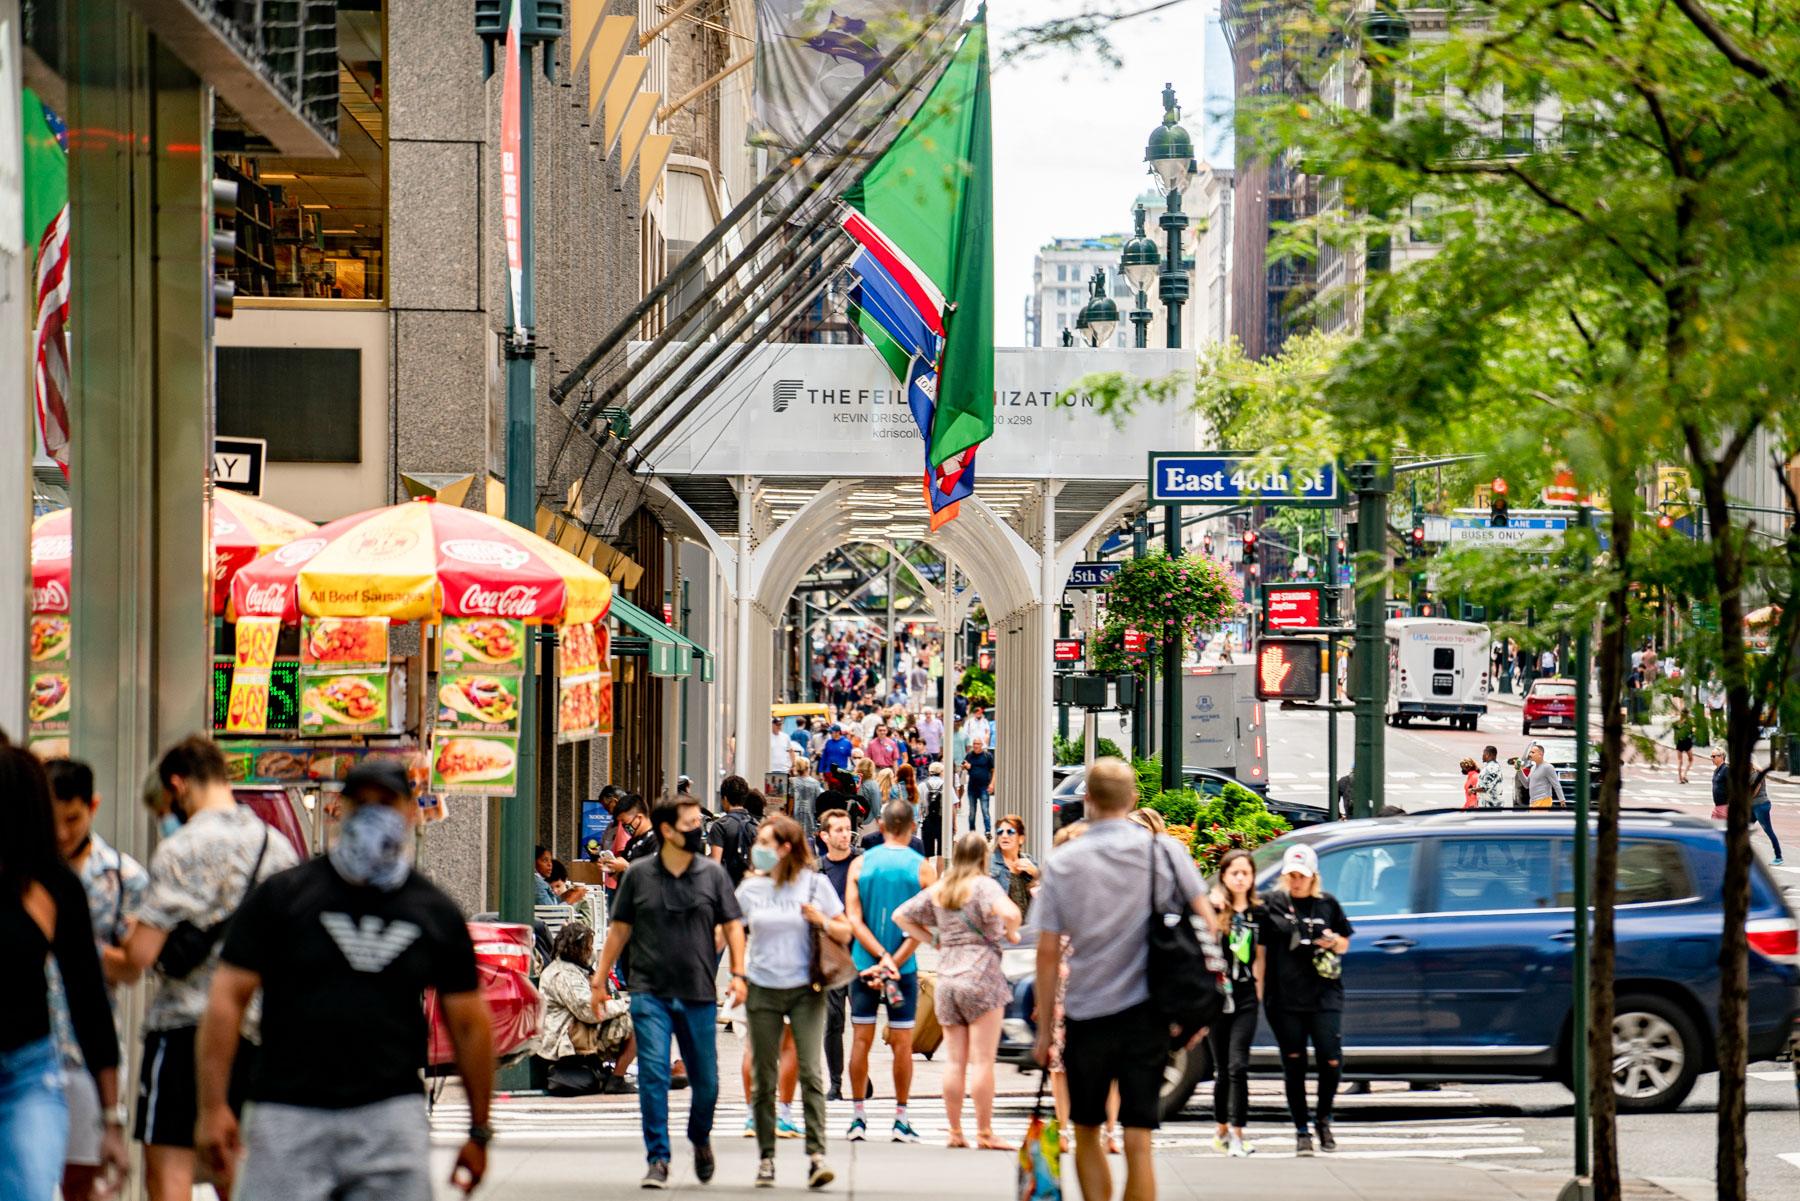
(1526, 728)
(1656, 1054)
(1181, 1076)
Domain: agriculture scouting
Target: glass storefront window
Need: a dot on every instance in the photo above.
(314, 229)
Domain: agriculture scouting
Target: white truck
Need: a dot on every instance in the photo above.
(1437, 670)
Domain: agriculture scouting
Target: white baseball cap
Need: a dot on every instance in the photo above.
(1300, 858)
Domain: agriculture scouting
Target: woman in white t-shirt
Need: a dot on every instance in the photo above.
(783, 906)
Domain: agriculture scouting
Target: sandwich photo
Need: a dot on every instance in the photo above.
(484, 698)
(346, 640)
(483, 640)
(49, 696)
(345, 701)
(473, 760)
(49, 636)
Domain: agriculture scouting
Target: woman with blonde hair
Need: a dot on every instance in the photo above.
(884, 784)
(868, 792)
(805, 788)
(971, 915)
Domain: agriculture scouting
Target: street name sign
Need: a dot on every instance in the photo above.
(1228, 477)
(1093, 575)
(238, 464)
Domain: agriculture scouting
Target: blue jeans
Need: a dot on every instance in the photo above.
(693, 1025)
(1759, 812)
(978, 798)
(34, 1120)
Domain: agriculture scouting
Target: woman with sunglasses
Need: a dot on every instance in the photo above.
(1010, 866)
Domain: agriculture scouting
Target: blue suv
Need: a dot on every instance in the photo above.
(1460, 967)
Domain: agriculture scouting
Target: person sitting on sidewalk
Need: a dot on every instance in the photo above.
(588, 1041)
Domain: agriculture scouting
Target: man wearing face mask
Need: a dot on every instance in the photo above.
(345, 945)
(667, 911)
(210, 853)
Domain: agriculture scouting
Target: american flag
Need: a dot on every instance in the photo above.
(51, 343)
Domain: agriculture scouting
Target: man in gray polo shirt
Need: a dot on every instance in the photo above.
(1096, 891)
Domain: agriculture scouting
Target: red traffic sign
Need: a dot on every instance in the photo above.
(1287, 669)
(1066, 650)
(1134, 641)
(1291, 606)
(668, 614)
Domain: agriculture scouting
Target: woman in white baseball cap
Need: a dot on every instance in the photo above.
(1305, 933)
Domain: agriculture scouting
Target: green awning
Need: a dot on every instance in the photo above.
(672, 653)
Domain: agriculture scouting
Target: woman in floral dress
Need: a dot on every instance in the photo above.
(971, 915)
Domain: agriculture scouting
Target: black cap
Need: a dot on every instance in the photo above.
(388, 775)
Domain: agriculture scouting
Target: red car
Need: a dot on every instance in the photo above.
(1551, 702)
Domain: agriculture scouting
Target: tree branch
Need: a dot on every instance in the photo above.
(1735, 54)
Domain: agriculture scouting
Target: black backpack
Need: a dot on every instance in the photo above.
(737, 833)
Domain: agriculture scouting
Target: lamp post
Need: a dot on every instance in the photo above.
(1170, 154)
(1099, 316)
(1140, 262)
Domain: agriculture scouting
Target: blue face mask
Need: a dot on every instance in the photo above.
(374, 847)
(167, 824)
(764, 859)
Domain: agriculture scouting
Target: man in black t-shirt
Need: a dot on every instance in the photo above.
(665, 914)
(343, 948)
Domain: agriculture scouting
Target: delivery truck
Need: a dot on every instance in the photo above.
(1437, 671)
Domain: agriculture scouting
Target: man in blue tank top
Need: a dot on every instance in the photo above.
(881, 881)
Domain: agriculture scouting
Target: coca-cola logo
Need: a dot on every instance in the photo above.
(484, 553)
(266, 600)
(380, 543)
(50, 597)
(298, 552)
(52, 547)
(517, 601)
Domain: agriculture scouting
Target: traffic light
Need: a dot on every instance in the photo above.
(1287, 669)
(1427, 609)
(1416, 543)
(1497, 507)
(1250, 537)
(224, 244)
(1206, 543)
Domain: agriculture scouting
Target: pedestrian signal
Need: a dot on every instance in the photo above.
(1287, 669)
(1664, 521)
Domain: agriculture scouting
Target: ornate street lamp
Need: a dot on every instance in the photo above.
(1100, 316)
(1140, 264)
(1170, 154)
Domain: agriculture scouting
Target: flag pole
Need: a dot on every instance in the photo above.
(792, 160)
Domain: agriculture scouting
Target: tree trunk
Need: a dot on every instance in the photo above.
(1614, 650)
(1743, 717)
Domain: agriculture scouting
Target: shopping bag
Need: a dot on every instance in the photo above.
(1040, 1155)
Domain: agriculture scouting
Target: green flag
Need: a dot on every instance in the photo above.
(931, 194)
(46, 168)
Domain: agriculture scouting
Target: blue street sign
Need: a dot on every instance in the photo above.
(1093, 575)
(1226, 477)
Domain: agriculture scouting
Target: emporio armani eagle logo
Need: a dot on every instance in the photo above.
(372, 944)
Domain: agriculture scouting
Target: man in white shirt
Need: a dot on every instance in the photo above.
(977, 727)
(781, 747)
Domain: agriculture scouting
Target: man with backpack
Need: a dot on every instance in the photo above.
(735, 832)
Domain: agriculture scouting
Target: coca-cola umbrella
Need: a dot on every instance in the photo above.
(420, 561)
(243, 528)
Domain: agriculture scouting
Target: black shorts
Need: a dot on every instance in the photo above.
(1132, 1048)
(1684, 744)
(168, 1093)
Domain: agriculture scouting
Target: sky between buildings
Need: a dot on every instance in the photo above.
(1069, 131)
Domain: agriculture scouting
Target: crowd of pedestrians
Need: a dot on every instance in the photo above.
(256, 956)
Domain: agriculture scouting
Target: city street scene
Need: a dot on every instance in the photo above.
(1065, 601)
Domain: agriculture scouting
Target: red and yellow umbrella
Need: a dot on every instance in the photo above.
(418, 562)
(243, 528)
